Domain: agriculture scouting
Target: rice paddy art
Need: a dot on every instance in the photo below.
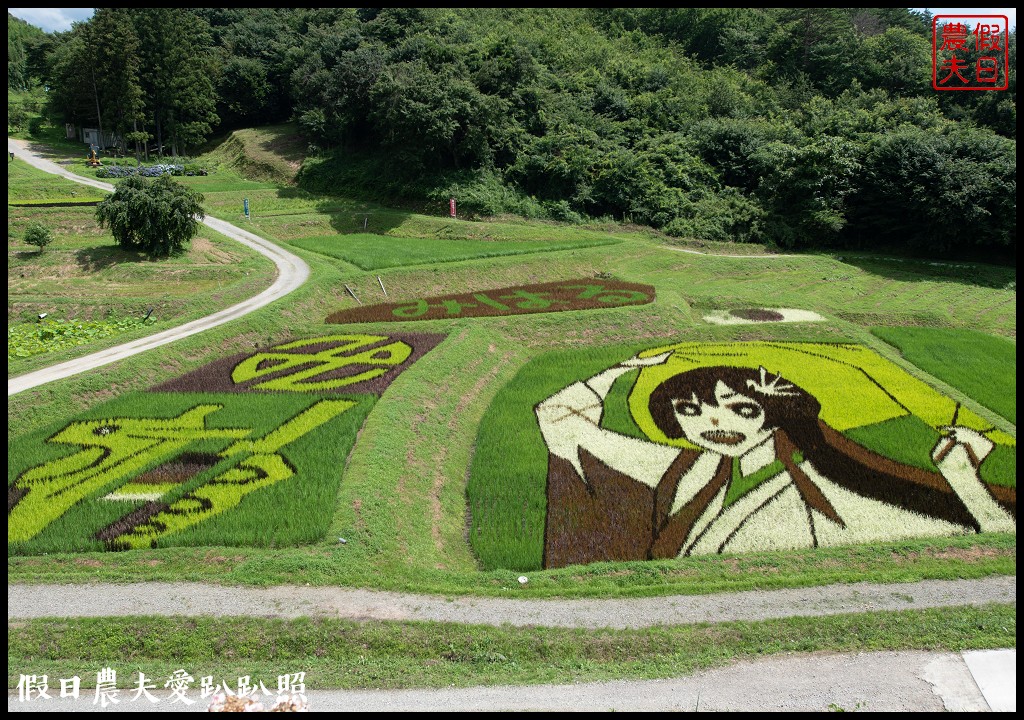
(745, 316)
(350, 363)
(247, 451)
(517, 300)
(148, 470)
(743, 447)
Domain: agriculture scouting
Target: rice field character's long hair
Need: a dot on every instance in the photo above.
(793, 414)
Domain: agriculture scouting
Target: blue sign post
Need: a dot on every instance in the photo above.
(245, 206)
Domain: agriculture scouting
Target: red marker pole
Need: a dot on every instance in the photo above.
(451, 206)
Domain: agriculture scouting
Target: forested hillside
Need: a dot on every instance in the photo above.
(798, 128)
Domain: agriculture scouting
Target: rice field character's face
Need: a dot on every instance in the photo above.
(732, 426)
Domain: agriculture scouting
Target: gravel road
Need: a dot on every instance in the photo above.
(161, 598)
(292, 272)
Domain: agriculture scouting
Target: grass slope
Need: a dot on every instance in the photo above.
(272, 154)
(26, 184)
(345, 654)
(83, 275)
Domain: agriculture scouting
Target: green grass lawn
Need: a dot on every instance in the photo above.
(375, 252)
(84, 276)
(27, 184)
(393, 655)
(981, 365)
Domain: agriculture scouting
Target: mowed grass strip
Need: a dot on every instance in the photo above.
(374, 252)
(360, 563)
(983, 366)
(27, 184)
(346, 654)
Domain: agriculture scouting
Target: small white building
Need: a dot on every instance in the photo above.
(91, 136)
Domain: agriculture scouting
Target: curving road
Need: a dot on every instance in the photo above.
(292, 272)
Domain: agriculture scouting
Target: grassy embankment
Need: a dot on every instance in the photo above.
(345, 654)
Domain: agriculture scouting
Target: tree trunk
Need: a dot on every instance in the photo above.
(135, 129)
(159, 135)
(99, 115)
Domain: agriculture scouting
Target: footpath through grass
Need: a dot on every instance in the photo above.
(83, 277)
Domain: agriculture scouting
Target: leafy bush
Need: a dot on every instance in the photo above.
(156, 216)
(36, 125)
(38, 235)
(484, 194)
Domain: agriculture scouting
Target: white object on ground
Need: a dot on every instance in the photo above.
(725, 317)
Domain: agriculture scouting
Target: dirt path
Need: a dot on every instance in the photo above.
(292, 272)
(161, 598)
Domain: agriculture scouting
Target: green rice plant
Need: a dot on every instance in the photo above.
(374, 252)
(835, 374)
(866, 398)
(407, 557)
(68, 485)
(983, 366)
(507, 478)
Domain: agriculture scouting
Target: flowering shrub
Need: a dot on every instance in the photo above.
(150, 171)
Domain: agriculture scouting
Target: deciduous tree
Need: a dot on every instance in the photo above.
(158, 217)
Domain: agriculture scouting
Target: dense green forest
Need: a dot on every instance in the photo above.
(799, 128)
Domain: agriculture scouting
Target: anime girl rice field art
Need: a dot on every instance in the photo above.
(741, 458)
